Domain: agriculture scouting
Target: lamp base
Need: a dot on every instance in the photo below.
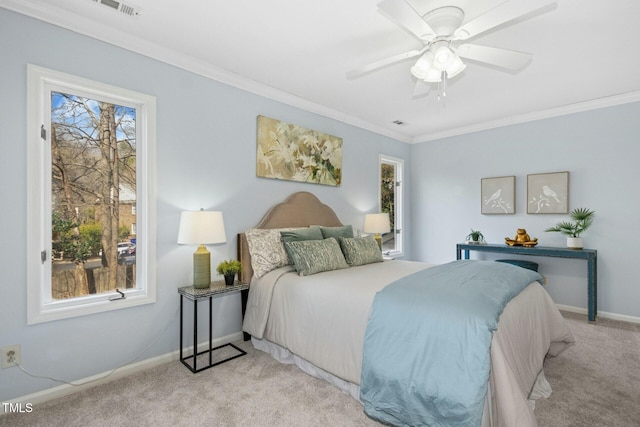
(378, 239)
(201, 268)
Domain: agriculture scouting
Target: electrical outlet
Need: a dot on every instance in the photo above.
(11, 356)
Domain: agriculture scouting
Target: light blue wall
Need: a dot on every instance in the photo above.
(599, 148)
(206, 158)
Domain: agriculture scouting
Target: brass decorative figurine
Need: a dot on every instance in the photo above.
(521, 239)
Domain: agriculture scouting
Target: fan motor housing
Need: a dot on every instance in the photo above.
(444, 20)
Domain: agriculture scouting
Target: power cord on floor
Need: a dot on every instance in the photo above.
(136, 357)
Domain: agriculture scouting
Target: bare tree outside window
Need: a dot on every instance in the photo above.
(93, 196)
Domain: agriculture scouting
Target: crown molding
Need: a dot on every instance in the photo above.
(578, 107)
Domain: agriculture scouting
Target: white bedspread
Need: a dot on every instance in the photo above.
(322, 319)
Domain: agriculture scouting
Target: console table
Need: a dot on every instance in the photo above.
(590, 255)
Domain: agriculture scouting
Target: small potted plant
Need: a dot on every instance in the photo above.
(475, 236)
(228, 269)
(582, 220)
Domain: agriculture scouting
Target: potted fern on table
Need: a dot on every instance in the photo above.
(582, 219)
(229, 269)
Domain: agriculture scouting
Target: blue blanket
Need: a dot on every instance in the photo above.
(427, 346)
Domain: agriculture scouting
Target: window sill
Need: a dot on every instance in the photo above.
(83, 306)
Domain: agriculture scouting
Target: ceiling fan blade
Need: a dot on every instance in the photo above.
(401, 13)
(357, 72)
(500, 14)
(512, 60)
(421, 89)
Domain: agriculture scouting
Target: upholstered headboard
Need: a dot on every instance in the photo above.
(300, 209)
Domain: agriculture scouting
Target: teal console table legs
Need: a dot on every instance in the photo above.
(590, 255)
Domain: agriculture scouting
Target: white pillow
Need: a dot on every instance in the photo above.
(266, 249)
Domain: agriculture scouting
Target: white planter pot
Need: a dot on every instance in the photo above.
(574, 242)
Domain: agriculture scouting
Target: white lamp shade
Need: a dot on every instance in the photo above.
(201, 228)
(377, 223)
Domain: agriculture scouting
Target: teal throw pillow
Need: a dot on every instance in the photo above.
(314, 256)
(337, 232)
(299, 234)
(361, 250)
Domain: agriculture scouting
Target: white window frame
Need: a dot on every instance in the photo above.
(398, 203)
(41, 306)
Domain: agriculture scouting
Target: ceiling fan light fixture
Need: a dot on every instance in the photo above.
(423, 65)
(418, 72)
(456, 67)
(443, 57)
(425, 69)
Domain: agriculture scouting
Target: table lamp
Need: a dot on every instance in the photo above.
(377, 224)
(201, 228)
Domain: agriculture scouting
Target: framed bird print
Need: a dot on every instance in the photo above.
(548, 193)
(498, 195)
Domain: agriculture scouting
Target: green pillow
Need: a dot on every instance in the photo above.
(344, 231)
(299, 234)
(314, 256)
(361, 250)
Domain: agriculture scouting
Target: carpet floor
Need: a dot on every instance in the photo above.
(595, 383)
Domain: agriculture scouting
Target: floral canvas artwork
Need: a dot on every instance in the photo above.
(498, 195)
(290, 152)
(548, 193)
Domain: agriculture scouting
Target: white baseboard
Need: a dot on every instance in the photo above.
(124, 371)
(601, 314)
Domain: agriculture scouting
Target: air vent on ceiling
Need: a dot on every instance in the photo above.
(127, 9)
(399, 123)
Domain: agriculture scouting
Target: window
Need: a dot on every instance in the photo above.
(91, 203)
(390, 178)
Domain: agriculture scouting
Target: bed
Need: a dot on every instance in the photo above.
(321, 321)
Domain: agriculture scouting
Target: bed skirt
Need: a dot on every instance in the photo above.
(283, 355)
(540, 389)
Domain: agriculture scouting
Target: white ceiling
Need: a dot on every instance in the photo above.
(584, 55)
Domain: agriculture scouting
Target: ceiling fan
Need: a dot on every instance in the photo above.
(444, 38)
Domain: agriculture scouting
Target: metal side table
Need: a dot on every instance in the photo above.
(215, 290)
